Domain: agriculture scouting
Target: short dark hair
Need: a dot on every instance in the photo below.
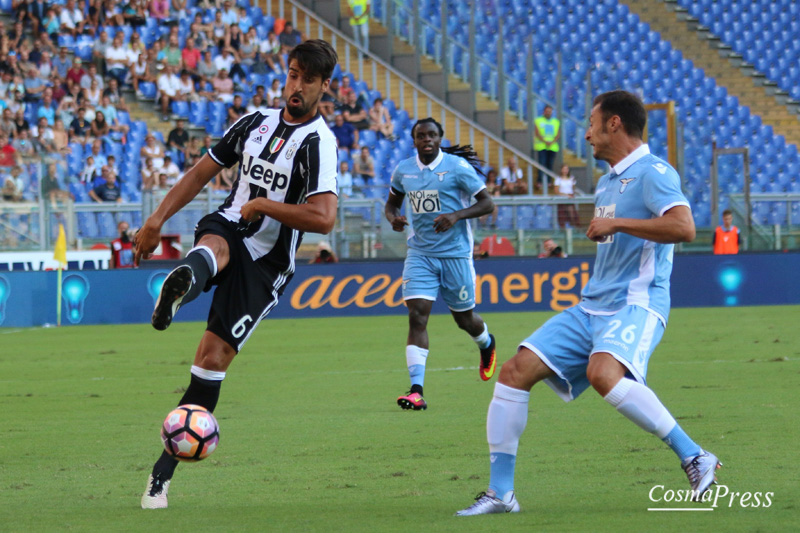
(315, 57)
(727, 212)
(627, 106)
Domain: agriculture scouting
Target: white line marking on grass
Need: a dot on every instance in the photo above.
(679, 509)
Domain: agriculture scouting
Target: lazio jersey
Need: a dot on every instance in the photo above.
(447, 185)
(629, 270)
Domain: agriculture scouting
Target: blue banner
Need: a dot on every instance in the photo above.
(375, 288)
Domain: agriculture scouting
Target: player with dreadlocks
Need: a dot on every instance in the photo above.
(440, 184)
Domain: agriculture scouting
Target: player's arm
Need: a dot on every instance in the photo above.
(149, 235)
(317, 215)
(482, 206)
(392, 210)
(675, 225)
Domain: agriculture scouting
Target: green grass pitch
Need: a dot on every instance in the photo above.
(312, 439)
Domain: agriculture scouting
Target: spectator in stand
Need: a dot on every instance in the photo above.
(172, 53)
(245, 22)
(150, 175)
(248, 50)
(20, 122)
(364, 166)
(324, 254)
(257, 104)
(191, 154)
(218, 30)
(99, 127)
(61, 138)
(565, 186)
(43, 140)
(277, 103)
(494, 190)
(7, 125)
(223, 87)
(344, 180)
(178, 137)
(168, 85)
(122, 248)
(135, 13)
(45, 65)
(47, 107)
(206, 145)
(79, 128)
(17, 104)
(224, 180)
(114, 96)
(171, 171)
(380, 121)
(51, 24)
(50, 187)
(545, 140)
(100, 159)
(71, 18)
(726, 238)
(153, 149)
(229, 14)
(23, 144)
(62, 63)
(34, 86)
(68, 106)
(289, 38)
(354, 113)
(190, 57)
(92, 75)
(346, 134)
(93, 94)
(117, 59)
(236, 110)
(99, 49)
(8, 155)
(159, 10)
(75, 74)
(551, 249)
(275, 90)
(6, 84)
(135, 47)
(270, 52)
(178, 9)
(117, 131)
(345, 90)
(10, 191)
(512, 180)
(108, 191)
(140, 71)
(206, 69)
(229, 60)
(233, 39)
(24, 61)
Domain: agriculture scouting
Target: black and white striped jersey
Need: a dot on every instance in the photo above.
(280, 161)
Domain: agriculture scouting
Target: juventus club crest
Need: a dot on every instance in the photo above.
(625, 182)
(292, 149)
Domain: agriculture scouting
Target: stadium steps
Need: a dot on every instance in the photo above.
(467, 133)
(663, 17)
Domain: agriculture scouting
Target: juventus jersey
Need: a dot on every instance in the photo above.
(280, 161)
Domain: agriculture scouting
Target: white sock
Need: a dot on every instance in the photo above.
(211, 375)
(482, 340)
(415, 361)
(641, 406)
(508, 415)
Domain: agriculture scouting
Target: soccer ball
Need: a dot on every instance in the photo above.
(190, 433)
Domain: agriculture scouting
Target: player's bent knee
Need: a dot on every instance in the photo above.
(523, 370)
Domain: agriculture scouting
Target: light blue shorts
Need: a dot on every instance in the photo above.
(566, 341)
(424, 275)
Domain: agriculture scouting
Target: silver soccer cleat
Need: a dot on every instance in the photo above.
(488, 503)
(701, 471)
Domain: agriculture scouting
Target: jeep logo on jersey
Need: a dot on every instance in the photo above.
(264, 174)
(424, 201)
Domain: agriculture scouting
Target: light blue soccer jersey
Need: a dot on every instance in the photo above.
(629, 270)
(445, 186)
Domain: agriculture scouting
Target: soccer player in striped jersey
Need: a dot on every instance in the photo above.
(440, 184)
(285, 186)
(607, 339)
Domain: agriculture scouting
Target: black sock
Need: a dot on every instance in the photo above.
(203, 268)
(203, 392)
(416, 388)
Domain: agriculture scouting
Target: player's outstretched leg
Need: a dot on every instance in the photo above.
(505, 422)
(488, 359)
(203, 390)
(415, 361)
(640, 405)
(183, 284)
